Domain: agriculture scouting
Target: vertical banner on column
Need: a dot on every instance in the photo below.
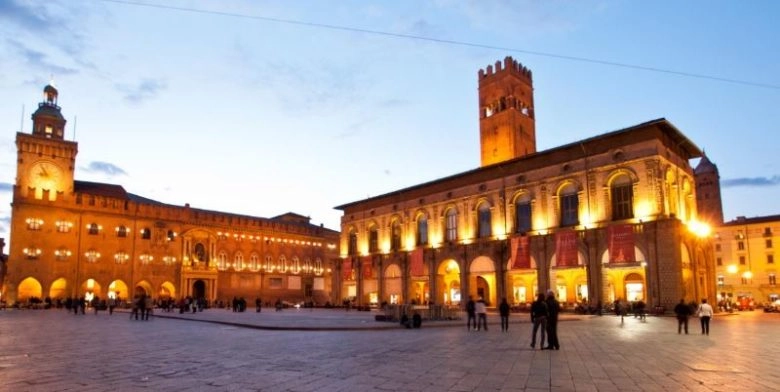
(521, 252)
(346, 269)
(566, 248)
(621, 244)
(367, 264)
(416, 265)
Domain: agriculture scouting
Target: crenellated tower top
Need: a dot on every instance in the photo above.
(507, 125)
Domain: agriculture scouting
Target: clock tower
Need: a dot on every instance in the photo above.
(507, 127)
(45, 160)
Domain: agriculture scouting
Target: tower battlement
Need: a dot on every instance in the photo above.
(509, 65)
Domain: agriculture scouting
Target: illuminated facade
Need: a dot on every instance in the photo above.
(79, 238)
(745, 258)
(612, 216)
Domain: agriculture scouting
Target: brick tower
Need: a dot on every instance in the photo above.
(507, 127)
(709, 204)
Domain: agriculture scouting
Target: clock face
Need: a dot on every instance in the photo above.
(45, 175)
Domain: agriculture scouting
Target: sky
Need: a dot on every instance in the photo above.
(267, 107)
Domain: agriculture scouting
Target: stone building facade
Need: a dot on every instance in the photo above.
(78, 238)
(608, 217)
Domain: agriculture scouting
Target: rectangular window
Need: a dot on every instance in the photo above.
(770, 259)
(395, 237)
(740, 245)
(522, 218)
(622, 202)
(93, 229)
(721, 281)
(717, 248)
(422, 231)
(744, 280)
(452, 227)
(741, 260)
(34, 224)
(769, 244)
(352, 246)
(719, 261)
(63, 226)
(373, 241)
(772, 279)
(484, 223)
(275, 283)
(570, 210)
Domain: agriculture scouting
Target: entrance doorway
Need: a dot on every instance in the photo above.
(483, 289)
(199, 289)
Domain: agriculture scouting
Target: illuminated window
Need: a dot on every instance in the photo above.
(121, 231)
(121, 257)
(146, 233)
(395, 235)
(62, 254)
(169, 260)
(422, 230)
(373, 239)
(92, 256)
(254, 262)
(282, 267)
(721, 280)
(451, 225)
(295, 266)
(484, 229)
(522, 217)
(222, 263)
(146, 258)
(569, 209)
(32, 252)
(93, 229)
(622, 194)
(772, 279)
(352, 244)
(63, 226)
(171, 235)
(318, 266)
(268, 264)
(238, 261)
(34, 224)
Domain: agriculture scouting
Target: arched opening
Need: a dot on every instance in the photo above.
(483, 279)
(167, 291)
(91, 289)
(143, 288)
(58, 289)
(448, 282)
(635, 287)
(28, 289)
(199, 289)
(118, 290)
(393, 286)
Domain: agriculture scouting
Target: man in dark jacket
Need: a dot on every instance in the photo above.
(553, 308)
(471, 312)
(683, 312)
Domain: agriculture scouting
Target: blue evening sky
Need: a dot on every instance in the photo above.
(260, 108)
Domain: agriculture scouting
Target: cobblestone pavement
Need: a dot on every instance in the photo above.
(51, 350)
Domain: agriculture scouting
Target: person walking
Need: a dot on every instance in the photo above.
(481, 309)
(705, 314)
(539, 319)
(503, 311)
(553, 308)
(471, 320)
(683, 312)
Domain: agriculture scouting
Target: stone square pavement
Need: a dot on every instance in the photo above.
(333, 350)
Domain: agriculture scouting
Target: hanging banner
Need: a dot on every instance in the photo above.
(416, 266)
(621, 244)
(367, 264)
(566, 248)
(346, 269)
(521, 252)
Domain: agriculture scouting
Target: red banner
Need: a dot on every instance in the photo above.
(521, 252)
(416, 268)
(621, 244)
(367, 264)
(566, 248)
(346, 269)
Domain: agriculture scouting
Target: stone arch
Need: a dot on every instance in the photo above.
(118, 289)
(143, 288)
(29, 288)
(58, 289)
(393, 284)
(482, 279)
(167, 290)
(448, 282)
(91, 288)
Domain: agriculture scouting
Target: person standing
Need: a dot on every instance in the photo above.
(503, 310)
(258, 305)
(481, 309)
(539, 319)
(683, 312)
(553, 308)
(471, 321)
(705, 314)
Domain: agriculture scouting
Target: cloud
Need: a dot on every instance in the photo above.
(27, 17)
(750, 182)
(104, 168)
(38, 60)
(144, 90)
(6, 186)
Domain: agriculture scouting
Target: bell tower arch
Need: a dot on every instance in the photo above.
(507, 127)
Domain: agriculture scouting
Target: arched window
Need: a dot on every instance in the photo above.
(222, 261)
(422, 230)
(121, 231)
(352, 245)
(570, 206)
(268, 265)
(93, 229)
(523, 216)
(238, 261)
(146, 233)
(254, 262)
(451, 225)
(484, 229)
(295, 266)
(622, 195)
(395, 239)
(282, 267)
(373, 239)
